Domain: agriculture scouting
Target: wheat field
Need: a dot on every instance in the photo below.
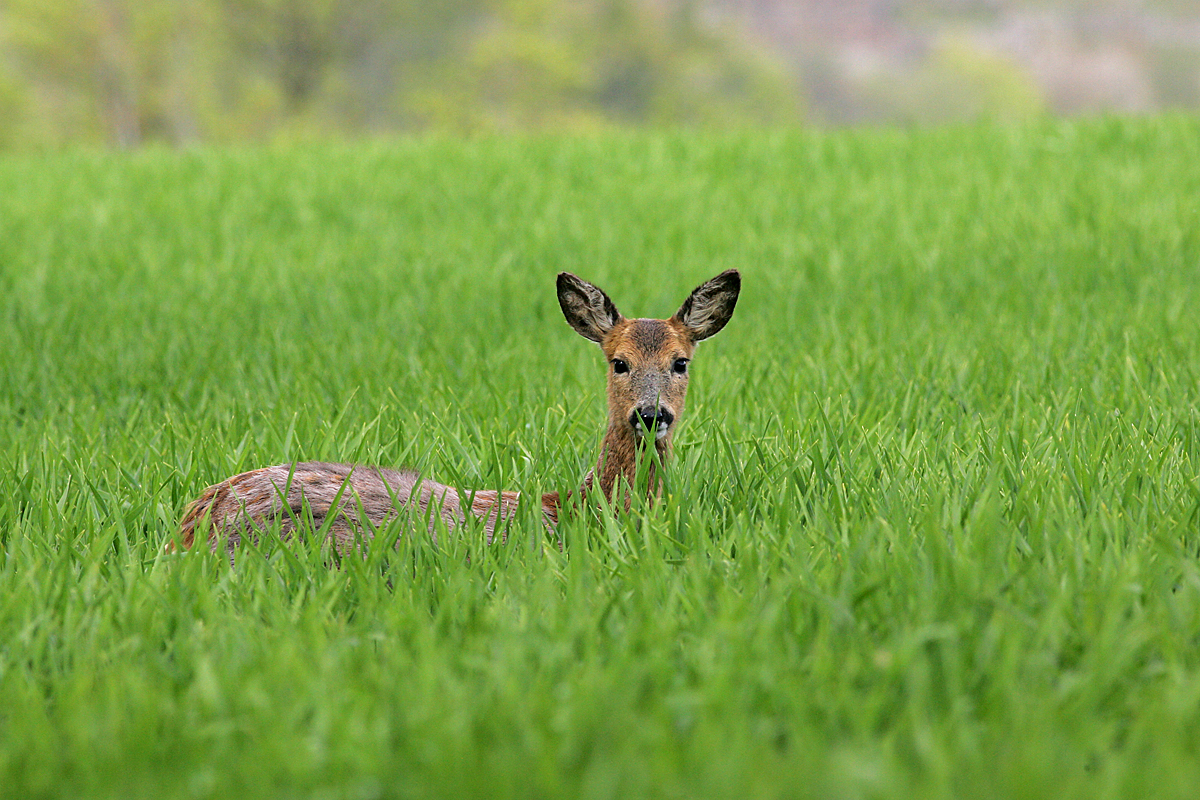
(931, 529)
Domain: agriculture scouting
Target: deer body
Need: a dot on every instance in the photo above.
(647, 385)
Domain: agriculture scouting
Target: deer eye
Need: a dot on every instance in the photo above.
(680, 366)
(619, 366)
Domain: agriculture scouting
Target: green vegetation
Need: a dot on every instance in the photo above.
(932, 528)
(124, 72)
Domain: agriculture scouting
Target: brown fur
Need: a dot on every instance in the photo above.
(355, 501)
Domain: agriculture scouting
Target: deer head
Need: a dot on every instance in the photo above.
(648, 358)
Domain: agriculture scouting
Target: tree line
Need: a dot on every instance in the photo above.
(129, 72)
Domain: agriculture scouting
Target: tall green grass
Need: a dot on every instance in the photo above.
(932, 527)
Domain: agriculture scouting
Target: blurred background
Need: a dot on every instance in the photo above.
(129, 72)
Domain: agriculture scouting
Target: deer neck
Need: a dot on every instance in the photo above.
(616, 470)
(617, 466)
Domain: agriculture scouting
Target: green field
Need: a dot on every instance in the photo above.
(932, 530)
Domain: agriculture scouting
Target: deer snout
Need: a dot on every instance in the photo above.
(657, 420)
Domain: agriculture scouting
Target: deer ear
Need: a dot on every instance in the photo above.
(710, 305)
(586, 307)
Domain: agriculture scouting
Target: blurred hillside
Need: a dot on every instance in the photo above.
(125, 72)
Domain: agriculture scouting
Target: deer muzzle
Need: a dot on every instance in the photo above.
(655, 420)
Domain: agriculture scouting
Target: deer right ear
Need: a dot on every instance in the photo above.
(586, 307)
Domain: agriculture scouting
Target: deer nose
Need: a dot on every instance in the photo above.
(651, 419)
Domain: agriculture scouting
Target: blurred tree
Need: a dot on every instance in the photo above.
(603, 62)
(295, 42)
(954, 82)
(335, 64)
(102, 66)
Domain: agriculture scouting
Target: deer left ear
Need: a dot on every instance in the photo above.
(710, 305)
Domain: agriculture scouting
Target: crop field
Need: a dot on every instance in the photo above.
(932, 528)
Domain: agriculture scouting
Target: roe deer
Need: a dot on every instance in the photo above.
(647, 381)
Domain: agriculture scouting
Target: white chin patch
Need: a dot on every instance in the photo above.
(659, 431)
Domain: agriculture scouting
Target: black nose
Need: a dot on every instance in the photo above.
(651, 418)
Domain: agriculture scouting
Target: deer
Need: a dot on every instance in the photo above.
(647, 381)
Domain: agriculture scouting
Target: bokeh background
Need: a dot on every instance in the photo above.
(129, 72)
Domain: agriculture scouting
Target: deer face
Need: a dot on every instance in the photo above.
(647, 358)
(648, 374)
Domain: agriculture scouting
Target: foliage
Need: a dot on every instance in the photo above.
(219, 70)
(932, 525)
(655, 68)
(957, 82)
